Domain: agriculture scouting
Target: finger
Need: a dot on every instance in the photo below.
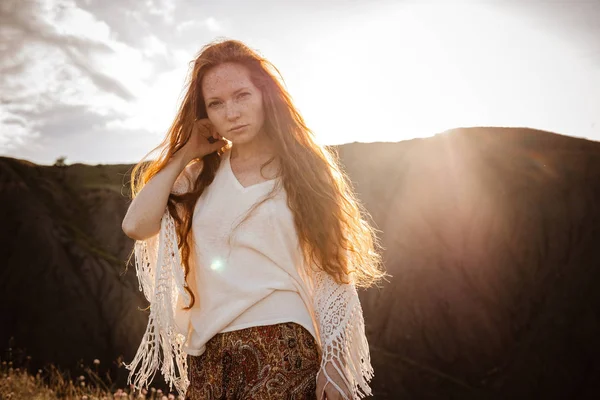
(207, 128)
(203, 127)
(320, 392)
(202, 132)
(214, 131)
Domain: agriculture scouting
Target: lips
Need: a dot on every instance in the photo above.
(237, 128)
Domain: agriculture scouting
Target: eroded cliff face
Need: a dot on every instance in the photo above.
(491, 235)
(64, 291)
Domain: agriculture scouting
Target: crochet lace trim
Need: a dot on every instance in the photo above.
(338, 312)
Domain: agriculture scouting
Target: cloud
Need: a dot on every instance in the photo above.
(163, 8)
(132, 21)
(75, 72)
(103, 82)
(211, 24)
(30, 30)
(576, 22)
(64, 71)
(16, 132)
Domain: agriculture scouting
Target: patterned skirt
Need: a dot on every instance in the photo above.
(279, 361)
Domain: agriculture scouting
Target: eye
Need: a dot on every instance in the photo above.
(244, 94)
(214, 103)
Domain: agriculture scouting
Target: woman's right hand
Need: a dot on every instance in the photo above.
(198, 144)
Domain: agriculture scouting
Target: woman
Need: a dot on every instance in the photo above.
(249, 245)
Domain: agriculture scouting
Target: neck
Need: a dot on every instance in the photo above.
(257, 148)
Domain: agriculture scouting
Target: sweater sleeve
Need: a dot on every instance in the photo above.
(345, 362)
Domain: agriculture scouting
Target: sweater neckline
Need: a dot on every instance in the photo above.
(237, 182)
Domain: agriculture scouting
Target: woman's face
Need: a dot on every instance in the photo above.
(233, 104)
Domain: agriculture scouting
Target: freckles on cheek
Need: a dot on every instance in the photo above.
(253, 107)
(213, 116)
(217, 121)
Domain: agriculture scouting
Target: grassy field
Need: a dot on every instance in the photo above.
(51, 383)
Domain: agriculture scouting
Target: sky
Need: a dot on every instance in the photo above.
(99, 81)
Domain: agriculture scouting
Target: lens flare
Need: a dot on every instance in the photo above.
(217, 264)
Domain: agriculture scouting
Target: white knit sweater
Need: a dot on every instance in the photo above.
(237, 271)
(245, 275)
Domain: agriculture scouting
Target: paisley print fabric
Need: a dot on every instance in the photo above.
(279, 361)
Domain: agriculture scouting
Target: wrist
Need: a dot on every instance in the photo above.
(181, 159)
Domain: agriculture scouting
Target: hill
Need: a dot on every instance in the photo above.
(491, 235)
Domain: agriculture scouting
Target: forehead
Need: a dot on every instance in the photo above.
(225, 79)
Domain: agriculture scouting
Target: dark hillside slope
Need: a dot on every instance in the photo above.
(492, 236)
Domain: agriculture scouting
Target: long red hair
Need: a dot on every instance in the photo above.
(331, 223)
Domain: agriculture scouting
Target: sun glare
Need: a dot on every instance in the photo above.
(410, 70)
(414, 70)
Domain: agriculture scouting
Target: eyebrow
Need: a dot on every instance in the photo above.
(236, 92)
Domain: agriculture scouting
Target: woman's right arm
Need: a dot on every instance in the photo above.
(145, 212)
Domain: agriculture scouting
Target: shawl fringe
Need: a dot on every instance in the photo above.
(344, 344)
(161, 278)
(337, 310)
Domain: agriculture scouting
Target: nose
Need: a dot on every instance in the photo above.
(233, 111)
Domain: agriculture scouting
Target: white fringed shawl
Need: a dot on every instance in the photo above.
(337, 310)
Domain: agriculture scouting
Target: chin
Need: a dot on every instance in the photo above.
(242, 138)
